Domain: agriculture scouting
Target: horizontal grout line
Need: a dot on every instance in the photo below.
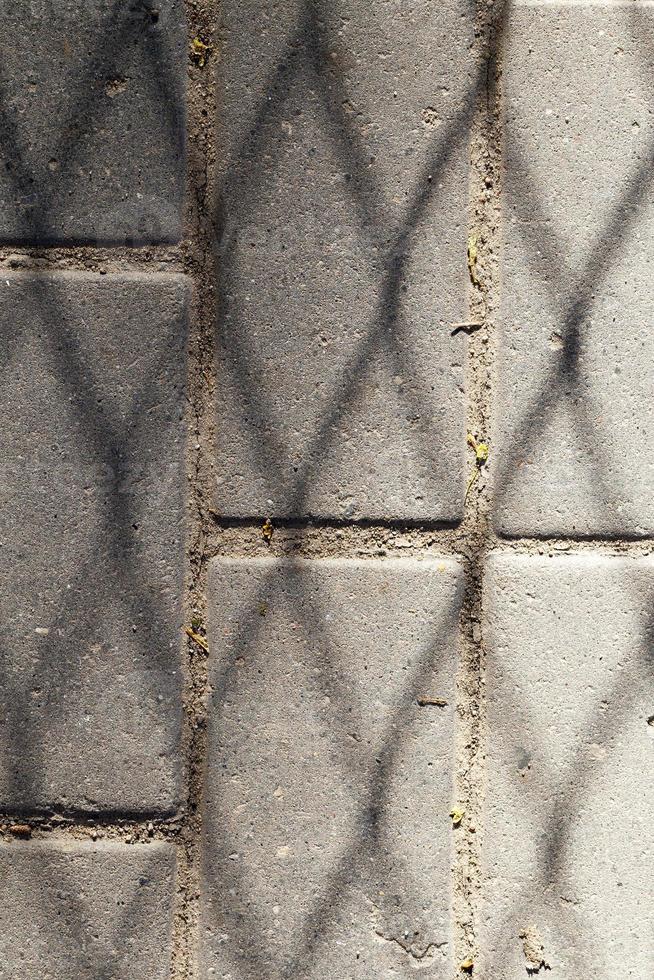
(100, 818)
(452, 534)
(319, 523)
(29, 248)
(585, 542)
(119, 834)
(78, 258)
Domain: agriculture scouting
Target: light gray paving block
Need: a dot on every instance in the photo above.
(91, 539)
(327, 840)
(83, 911)
(342, 258)
(92, 121)
(568, 829)
(576, 365)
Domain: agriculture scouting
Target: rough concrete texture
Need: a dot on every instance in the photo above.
(326, 846)
(576, 364)
(344, 139)
(92, 121)
(83, 911)
(569, 839)
(91, 539)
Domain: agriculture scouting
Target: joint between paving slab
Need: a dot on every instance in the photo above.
(21, 825)
(101, 260)
(317, 523)
(327, 539)
(475, 538)
(199, 263)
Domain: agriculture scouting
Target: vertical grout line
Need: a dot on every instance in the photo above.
(476, 537)
(198, 250)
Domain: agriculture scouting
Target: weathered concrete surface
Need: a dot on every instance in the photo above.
(82, 911)
(92, 121)
(326, 847)
(569, 837)
(576, 365)
(91, 539)
(344, 159)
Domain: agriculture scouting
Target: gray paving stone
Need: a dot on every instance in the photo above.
(83, 911)
(344, 156)
(576, 365)
(326, 849)
(92, 121)
(569, 836)
(91, 539)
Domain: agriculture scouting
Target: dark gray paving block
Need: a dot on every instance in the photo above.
(327, 840)
(82, 911)
(342, 258)
(568, 830)
(92, 121)
(575, 403)
(91, 539)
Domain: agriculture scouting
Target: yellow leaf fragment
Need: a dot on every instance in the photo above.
(200, 52)
(268, 530)
(468, 965)
(482, 451)
(457, 816)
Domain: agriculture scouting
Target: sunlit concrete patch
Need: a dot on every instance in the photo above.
(326, 834)
(83, 911)
(568, 830)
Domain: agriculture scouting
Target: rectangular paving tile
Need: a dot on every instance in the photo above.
(91, 539)
(92, 121)
(576, 364)
(82, 911)
(327, 840)
(342, 259)
(568, 834)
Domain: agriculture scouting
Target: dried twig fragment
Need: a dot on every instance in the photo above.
(200, 640)
(472, 260)
(21, 830)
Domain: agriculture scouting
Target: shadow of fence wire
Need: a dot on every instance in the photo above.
(87, 105)
(367, 858)
(306, 63)
(371, 856)
(573, 296)
(106, 444)
(106, 440)
(69, 899)
(311, 44)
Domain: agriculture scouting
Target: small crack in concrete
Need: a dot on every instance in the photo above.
(409, 948)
